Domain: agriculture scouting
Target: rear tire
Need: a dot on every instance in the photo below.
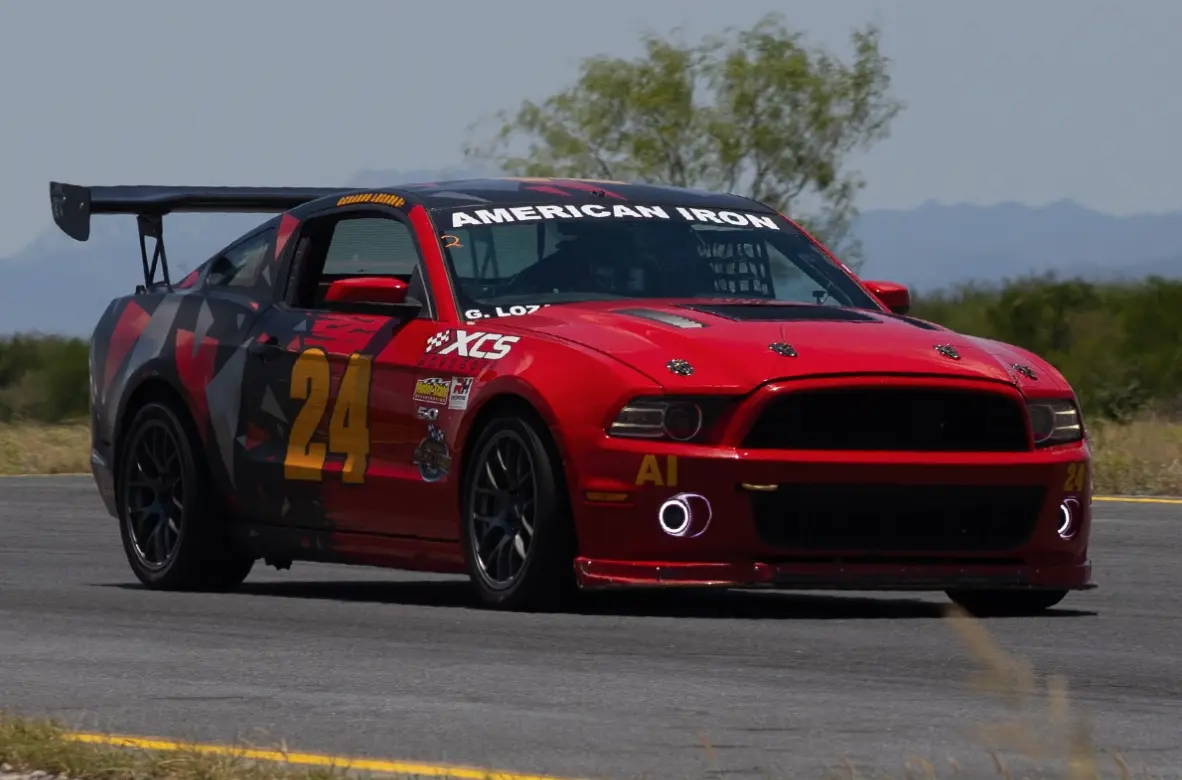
(513, 500)
(998, 603)
(174, 534)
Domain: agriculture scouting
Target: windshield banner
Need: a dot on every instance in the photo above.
(514, 214)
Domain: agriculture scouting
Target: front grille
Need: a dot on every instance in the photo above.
(889, 418)
(893, 517)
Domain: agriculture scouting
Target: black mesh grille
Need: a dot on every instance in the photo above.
(920, 419)
(892, 517)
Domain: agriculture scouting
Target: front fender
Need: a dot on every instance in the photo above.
(572, 389)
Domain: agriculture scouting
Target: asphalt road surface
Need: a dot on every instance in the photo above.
(359, 661)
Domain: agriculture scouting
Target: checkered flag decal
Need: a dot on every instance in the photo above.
(438, 340)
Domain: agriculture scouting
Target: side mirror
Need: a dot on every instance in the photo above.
(381, 295)
(367, 289)
(895, 297)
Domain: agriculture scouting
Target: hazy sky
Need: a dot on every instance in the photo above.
(1028, 100)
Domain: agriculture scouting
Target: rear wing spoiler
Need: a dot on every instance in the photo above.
(73, 206)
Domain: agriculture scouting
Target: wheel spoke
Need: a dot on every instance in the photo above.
(491, 478)
(503, 465)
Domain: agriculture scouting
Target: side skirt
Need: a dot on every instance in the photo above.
(280, 546)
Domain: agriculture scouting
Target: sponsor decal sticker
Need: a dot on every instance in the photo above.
(471, 344)
(651, 472)
(431, 390)
(502, 311)
(461, 387)
(432, 456)
(518, 214)
(451, 364)
(373, 197)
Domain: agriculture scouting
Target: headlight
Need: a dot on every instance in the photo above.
(676, 419)
(1054, 422)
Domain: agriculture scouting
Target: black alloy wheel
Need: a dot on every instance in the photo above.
(154, 495)
(173, 535)
(517, 530)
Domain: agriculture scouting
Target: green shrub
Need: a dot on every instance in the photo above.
(1117, 343)
(43, 378)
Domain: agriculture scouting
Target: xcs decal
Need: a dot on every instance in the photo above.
(348, 429)
(1076, 474)
(465, 352)
(477, 344)
(650, 472)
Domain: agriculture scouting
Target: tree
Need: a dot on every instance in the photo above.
(754, 112)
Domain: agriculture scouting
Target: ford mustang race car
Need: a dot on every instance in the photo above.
(554, 384)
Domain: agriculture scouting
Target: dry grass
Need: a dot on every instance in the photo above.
(1141, 458)
(33, 745)
(32, 448)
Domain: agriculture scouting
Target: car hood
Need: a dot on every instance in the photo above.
(729, 344)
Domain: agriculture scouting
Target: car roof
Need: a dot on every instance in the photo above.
(506, 190)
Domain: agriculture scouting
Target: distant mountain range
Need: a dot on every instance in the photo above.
(57, 285)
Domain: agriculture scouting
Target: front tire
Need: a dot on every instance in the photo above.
(1011, 603)
(173, 535)
(517, 530)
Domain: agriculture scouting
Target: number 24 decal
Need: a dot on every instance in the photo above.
(348, 429)
(1076, 473)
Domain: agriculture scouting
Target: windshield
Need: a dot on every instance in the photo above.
(513, 260)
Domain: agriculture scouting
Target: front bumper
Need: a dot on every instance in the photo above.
(598, 573)
(935, 521)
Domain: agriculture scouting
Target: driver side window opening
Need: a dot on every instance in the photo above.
(239, 266)
(345, 246)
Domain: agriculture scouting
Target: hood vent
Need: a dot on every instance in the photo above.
(675, 320)
(778, 312)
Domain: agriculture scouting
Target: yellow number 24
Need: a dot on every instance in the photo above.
(348, 430)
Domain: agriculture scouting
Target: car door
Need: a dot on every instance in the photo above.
(329, 425)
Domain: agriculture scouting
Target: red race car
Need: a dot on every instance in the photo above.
(554, 384)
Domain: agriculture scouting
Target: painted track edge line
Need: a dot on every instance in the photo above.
(384, 766)
(1137, 500)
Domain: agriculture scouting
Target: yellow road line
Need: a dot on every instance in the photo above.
(305, 759)
(1137, 500)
